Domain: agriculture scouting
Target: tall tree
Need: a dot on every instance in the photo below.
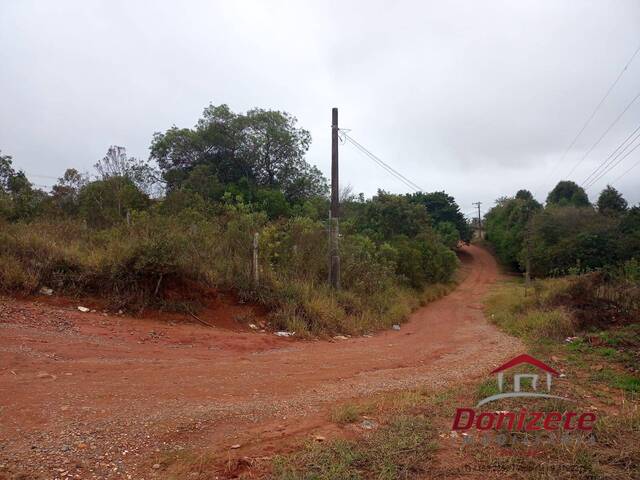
(64, 194)
(567, 193)
(611, 202)
(18, 199)
(506, 226)
(264, 147)
(6, 171)
(116, 163)
(387, 215)
(442, 208)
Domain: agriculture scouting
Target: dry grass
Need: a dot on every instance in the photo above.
(165, 262)
(530, 313)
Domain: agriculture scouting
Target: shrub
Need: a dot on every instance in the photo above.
(164, 257)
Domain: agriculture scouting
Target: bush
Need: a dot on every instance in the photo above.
(571, 240)
(165, 260)
(534, 315)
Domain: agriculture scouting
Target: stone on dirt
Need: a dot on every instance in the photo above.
(285, 334)
(396, 327)
(84, 309)
(368, 424)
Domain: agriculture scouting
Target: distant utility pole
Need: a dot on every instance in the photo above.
(527, 260)
(334, 213)
(479, 220)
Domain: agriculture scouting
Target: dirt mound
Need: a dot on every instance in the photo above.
(597, 301)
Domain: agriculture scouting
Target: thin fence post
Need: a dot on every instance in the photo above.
(256, 268)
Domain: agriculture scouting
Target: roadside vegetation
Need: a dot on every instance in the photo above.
(579, 315)
(567, 236)
(162, 233)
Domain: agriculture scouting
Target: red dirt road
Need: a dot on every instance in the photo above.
(84, 395)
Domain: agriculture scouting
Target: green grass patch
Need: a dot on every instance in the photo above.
(347, 413)
(526, 313)
(486, 389)
(399, 449)
(628, 383)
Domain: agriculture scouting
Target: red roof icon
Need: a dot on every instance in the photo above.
(524, 358)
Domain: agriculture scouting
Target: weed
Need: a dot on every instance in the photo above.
(627, 383)
(486, 389)
(401, 447)
(347, 413)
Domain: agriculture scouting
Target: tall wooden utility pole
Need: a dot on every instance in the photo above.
(479, 220)
(334, 251)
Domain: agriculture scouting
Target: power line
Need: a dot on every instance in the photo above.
(610, 159)
(40, 176)
(382, 164)
(604, 134)
(627, 171)
(600, 103)
(612, 167)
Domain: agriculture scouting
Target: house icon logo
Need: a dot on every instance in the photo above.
(537, 391)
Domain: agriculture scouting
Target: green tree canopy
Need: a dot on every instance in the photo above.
(18, 199)
(265, 147)
(570, 239)
(506, 224)
(611, 202)
(387, 215)
(442, 208)
(104, 203)
(566, 193)
(64, 194)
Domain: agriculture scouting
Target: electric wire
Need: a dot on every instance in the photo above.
(383, 164)
(612, 167)
(611, 158)
(579, 162)
(627, 171)
(595, 110)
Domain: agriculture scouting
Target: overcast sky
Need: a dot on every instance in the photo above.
(475, 98)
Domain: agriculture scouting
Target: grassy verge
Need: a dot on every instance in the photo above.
(394, 438)
(176, 262)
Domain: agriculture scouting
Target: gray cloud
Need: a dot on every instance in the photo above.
(476, 98)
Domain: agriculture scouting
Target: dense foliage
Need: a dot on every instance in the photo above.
(506, 223)
(262, 148)
(137, 234)
(568, 235)
(445, 215)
